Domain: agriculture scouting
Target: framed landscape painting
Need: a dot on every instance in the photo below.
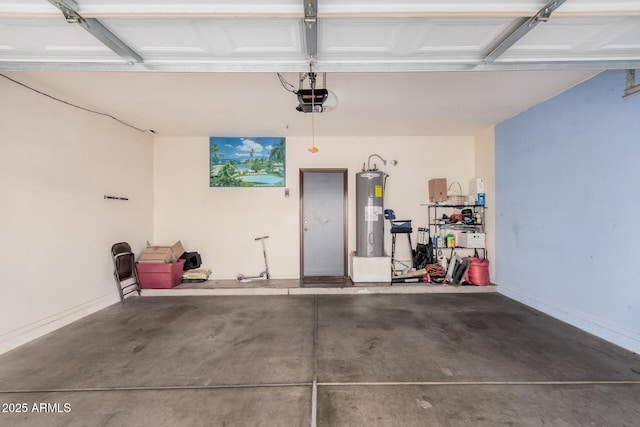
(247, 162)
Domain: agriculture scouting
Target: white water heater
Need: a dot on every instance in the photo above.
(369, 213)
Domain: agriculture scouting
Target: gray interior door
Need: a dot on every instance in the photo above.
(323, 223)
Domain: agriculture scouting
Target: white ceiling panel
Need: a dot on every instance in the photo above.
(270, 36)
(599, 8)
(423, 38)
(26, 7)
(158, 37)
(342, 36)
(463, 36)
(613, 38)
(351, 36)
(206, 39)
(49, 40)
(370, 104)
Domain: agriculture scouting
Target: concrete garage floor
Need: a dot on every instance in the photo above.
(330, 360)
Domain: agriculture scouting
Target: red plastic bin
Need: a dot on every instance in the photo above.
(157, 275)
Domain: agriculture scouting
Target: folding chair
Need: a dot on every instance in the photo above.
(124, 270)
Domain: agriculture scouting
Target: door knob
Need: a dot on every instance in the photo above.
(306, 229)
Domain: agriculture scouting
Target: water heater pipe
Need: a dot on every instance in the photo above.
(384, 162)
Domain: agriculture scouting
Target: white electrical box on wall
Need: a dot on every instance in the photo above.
(476, 185)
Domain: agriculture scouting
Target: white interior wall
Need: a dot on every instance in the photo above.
(485, 166)
(221, 223)
(57, 163)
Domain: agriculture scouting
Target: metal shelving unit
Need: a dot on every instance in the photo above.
(440, 227)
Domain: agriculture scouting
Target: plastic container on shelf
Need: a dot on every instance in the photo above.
(451, 240)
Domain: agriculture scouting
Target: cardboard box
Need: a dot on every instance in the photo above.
(162, 254)
(438, 190)
(160, 275)
(472, 240)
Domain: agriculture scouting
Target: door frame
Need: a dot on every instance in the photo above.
(345, 220)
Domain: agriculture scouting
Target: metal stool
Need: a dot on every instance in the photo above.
(398, 226)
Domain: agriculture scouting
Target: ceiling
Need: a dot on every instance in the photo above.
(397, 67)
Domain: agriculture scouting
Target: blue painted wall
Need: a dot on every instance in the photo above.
(568, 208)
